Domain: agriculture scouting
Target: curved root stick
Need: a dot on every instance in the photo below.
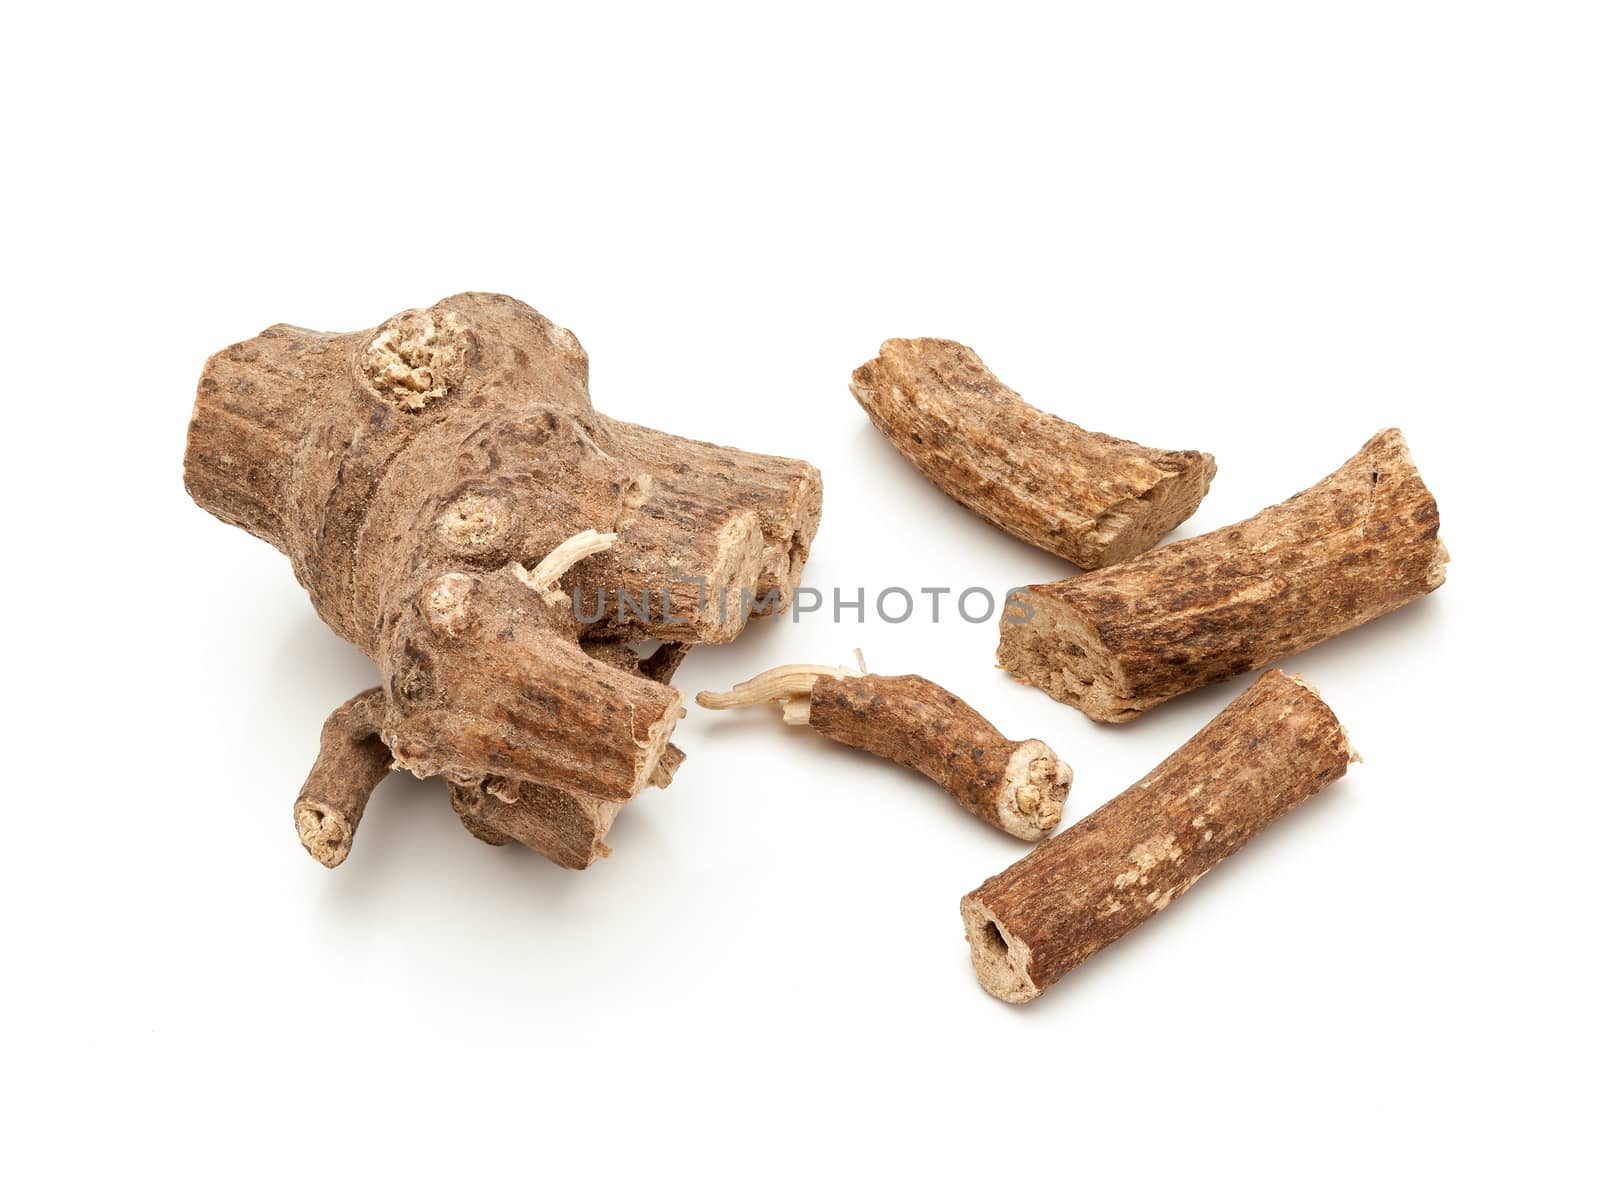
(1086, 497)
(1019, 787)
(352, 761)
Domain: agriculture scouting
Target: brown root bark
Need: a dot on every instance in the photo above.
(1275, 746)
(1086, 497)
(441, 484)
(784, 493)
(1018, 787)
(352, 761)
(676, 556)
(664, 661)
(569, 830)
(1116, 643)
(488, 678)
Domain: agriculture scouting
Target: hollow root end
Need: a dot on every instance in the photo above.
(1001, 961)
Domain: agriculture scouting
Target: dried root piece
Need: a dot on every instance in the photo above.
(1086, 497)
(567, 829)
(353, 760)
(445, 490)
(1019, 787)
(488, 678)
(1275, 746)
(1115, 643)
(784, 493)
(687, 557)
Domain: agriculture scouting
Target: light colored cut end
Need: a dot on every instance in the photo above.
(666, 766)
(417, 357)
(1441, 556)
(738, 558)
(1350, 753)
(1133, 525)
(656, 747)
(1000, 960)
(324, 833)
(1059, 652)
(1394, 438)
(1034, 792)
(784, 558)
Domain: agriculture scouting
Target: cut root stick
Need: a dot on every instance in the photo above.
(1086, 497)
(1275, 746)
(1019, 787)
(1115, 643)
(352, 762)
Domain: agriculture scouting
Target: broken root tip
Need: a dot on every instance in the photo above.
(324, 833)
(1001, 962)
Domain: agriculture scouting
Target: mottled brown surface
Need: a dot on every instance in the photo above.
(351, 762)
(502, 687)
(1018, 787)
(1087, 497)
(1117, 642)
(784, 493)
(410, 471)
(1275, 746)
(918, 724)
(567, 829)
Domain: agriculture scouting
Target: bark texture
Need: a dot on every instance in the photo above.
(352, 761)
(447, 495)
(785, 494)
(1116, 643)
(1018, 787)
(1087, 497)
(1275, 746)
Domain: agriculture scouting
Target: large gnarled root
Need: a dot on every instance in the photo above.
(1086, 497)
(1117, 642)
(418, 474)
(1019, 787)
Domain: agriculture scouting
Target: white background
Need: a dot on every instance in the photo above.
(1266, 231)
